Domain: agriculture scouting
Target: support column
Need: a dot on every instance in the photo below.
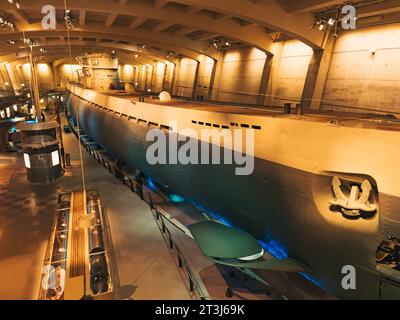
(6, 78)
(275, 62)
(264, 80)
(212, 80)
(317, 75)
(11, 76)
(217, 70)
(164, 81)
(2, 77)
(195, 80)
(56, 76)
(175, 77)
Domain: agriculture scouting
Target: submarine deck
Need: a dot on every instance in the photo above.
(382, 121)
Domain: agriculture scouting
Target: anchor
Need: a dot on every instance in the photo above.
(355, 203)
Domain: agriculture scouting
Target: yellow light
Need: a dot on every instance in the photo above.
(43, 68)
(128, 68)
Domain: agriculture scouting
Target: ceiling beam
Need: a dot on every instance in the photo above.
(301, 6)
(79, 48)
(186, 30)
(228, 27)
(181, 45)
(19, 16)
(193, 10)
(137, 22)
(158, 4)
(208, 37)
(262, 2)
(162, 26)
(271, 16)
(110, 19)
(82, 17)
(379, 8)
(223, 17)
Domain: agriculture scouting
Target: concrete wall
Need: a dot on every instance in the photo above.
(5, 79)
(184, 78)
(169, 76)
(22, 75)
(126, 72)
(158, 77)
(12, 73)
(288, 72)
(356, 77)
(361, 79)
(45, 76)
(204, 78)
(239, 75)
(67, 72)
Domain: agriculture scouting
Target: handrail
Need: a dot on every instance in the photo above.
(194, 286)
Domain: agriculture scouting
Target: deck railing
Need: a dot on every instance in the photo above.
(146, 195)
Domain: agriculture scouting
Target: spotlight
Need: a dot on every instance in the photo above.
(30, 42)
(6, 22)
(68, 19)
(331, 21)
(172, 54)
(220, 44)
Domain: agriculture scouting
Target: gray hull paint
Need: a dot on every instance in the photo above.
(275, 202)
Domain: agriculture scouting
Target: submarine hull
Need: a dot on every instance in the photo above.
(278, 204)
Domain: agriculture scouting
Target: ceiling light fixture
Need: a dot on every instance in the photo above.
(6, 22)
(221, 44)
(68, 19)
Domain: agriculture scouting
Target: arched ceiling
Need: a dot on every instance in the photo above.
(183, 27)
(57, 51)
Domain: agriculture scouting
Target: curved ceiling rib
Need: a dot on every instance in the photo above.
(57, 53)
(167, 17)
(167, 42)
(270, 14)
(57, 49)
(43, 40)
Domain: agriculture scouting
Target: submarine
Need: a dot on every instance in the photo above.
(324, 190)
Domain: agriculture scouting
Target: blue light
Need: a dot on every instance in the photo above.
(309, 278)
(215, 216)
(151, 185)
(221, 219)
(175, 198)
(275, 249)
(32, 121)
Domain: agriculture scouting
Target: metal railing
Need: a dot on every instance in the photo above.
(146, 195)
